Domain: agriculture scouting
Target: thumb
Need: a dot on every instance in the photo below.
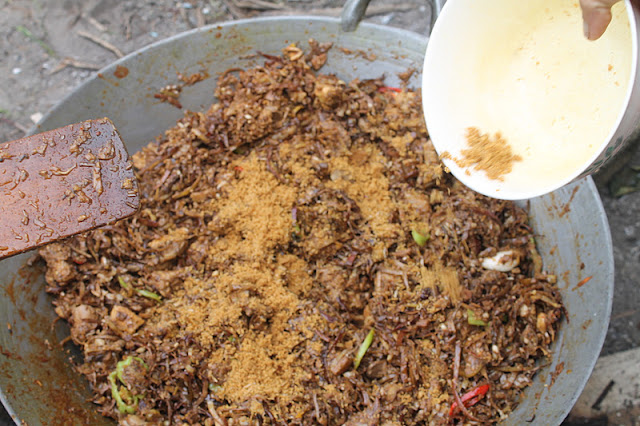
(596, 15)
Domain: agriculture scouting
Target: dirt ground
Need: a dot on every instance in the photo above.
(46, 51)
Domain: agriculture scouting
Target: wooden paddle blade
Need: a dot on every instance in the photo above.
(61, 182)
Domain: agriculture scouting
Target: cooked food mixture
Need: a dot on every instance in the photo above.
(493, 155)
(301, 257)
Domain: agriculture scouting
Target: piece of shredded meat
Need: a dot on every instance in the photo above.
(297, 217)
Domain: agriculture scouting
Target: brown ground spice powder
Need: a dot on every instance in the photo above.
(255, 218)
(493, 155)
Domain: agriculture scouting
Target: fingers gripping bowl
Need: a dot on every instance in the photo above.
(575, 211)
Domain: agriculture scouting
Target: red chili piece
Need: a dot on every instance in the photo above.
(470, 398)
(386, 89)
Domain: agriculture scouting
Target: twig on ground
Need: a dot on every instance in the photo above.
(97, 40)
(14, 124)
(70, 62)
(603, 395)
(127, 27)
(93, 21)
(72, 23)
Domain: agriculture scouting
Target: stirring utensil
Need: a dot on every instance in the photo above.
(61, 182)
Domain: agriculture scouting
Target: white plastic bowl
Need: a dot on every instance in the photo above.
(524, 68)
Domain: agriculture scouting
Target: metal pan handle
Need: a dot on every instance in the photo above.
(354, 10)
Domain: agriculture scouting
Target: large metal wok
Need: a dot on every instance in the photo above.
(37, 383)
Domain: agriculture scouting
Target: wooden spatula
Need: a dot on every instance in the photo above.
(61, 182)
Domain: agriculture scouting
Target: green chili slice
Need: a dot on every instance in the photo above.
(363, 348)
(115, 393)
(471, 319)
(149, 295)
(123, 407)
(144, 293)
(420, 239)
(123, 283)
(214, 388)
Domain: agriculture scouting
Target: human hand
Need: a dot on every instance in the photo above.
(596, 15)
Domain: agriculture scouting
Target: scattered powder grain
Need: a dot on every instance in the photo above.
(493, 155)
